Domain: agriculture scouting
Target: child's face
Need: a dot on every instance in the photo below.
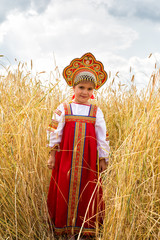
(83, 92)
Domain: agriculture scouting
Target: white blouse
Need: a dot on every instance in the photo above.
(78, 109)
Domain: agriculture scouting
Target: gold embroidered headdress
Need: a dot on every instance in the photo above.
(86, 68)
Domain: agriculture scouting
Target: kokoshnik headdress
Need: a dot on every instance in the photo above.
(86, 68)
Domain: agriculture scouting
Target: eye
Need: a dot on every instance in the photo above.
(81, 87)
(90, 89)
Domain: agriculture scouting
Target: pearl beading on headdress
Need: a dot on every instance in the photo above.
(84, 76)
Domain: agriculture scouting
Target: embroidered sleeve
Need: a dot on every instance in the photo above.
(102, 136)
(55, 128)
(53, 125)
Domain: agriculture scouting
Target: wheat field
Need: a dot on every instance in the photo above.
(131, 182)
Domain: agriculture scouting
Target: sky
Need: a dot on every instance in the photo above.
(120, 33)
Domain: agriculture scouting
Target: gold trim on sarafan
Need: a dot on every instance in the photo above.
(93, 111)
(89, 231)
(76, 118)
(76, 169)
(67, 108)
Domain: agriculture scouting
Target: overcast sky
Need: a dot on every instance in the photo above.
(120, 33)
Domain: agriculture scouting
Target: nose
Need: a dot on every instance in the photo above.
(85, 91)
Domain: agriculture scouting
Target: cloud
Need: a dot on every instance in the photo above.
(8, 6)
(144, 9)
(70, 27)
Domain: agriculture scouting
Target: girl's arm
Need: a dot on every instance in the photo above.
(55, 128)
(51, 160)
(54, 134)
(102, 165)
(102, 143)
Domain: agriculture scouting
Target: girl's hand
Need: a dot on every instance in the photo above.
(51, 160)
(102, 165)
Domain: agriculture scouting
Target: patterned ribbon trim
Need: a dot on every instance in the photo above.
(83, 119)
(67, 108)
(89, 231)
(58, 112)
(76, 169)
(53, 125)
(93, 111)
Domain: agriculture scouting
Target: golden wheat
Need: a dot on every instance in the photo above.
(131, 182)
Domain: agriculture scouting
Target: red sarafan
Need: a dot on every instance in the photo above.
(74, 184)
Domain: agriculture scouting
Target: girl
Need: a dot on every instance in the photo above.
(77, 134)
